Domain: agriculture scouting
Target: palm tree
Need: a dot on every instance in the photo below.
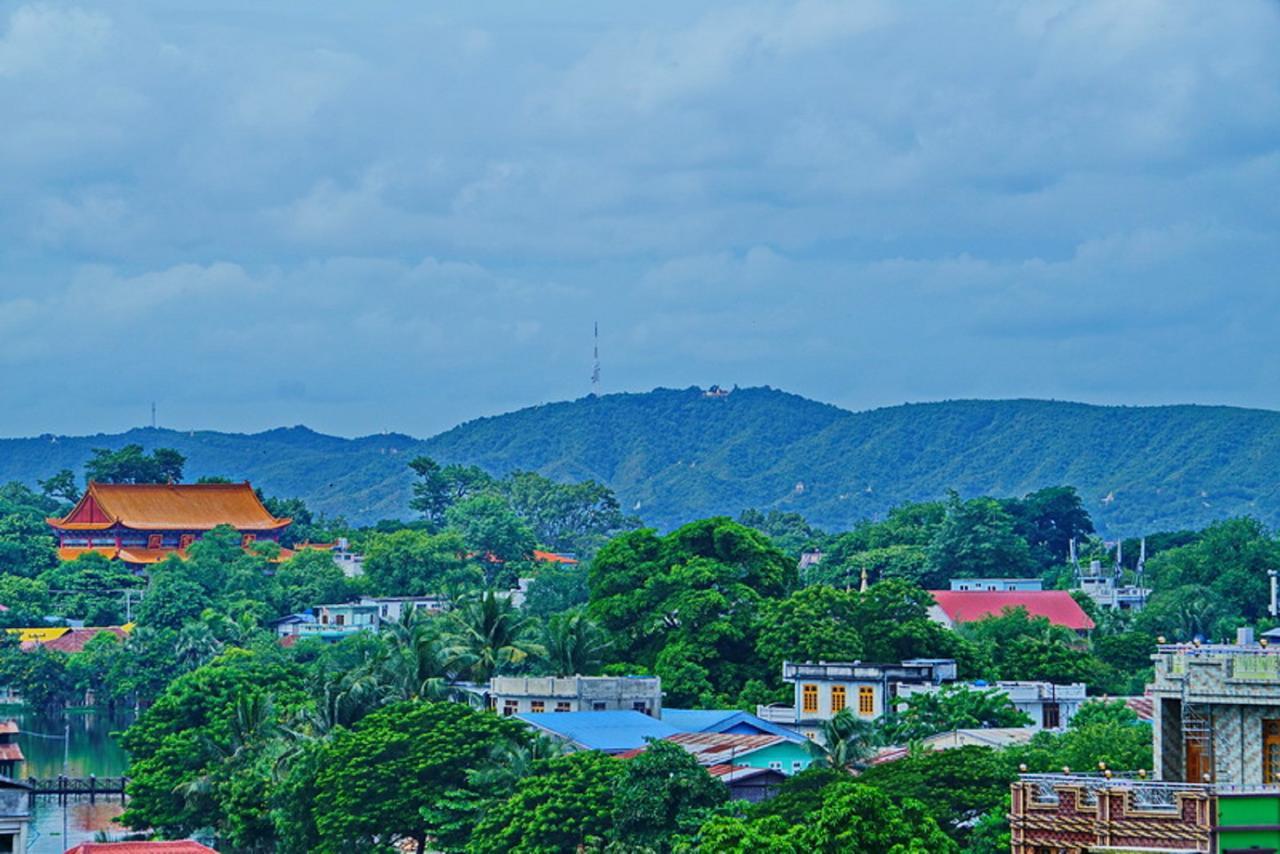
(574, 644)
(487, 635)
(844, 742)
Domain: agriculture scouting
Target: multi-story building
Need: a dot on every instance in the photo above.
(1048, 705)
(141, 524)
(1215, 784)
(511, 695)
(391, 609)
(824, 689)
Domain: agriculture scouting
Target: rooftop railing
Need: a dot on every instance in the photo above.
(1146, 794)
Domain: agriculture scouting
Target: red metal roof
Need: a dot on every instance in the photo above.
(75, 639)
(1057, 606)
(177, 846)
(11, 753)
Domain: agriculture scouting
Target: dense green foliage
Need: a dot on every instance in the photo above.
(674, 455)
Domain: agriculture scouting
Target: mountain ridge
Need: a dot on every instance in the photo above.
(676, 454)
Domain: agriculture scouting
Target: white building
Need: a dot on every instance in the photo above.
(391, 609)
(997, 584)
(511, 695)
(352, 563)
(1048, 705)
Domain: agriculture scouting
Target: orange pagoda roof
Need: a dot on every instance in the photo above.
(169, 507)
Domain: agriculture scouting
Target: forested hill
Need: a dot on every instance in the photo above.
(675, 455)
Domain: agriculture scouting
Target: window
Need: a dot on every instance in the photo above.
(640, 706)
(8, 843)
(597, 707)
(1270, 751)
(809, 698)
(247, 540)
(155, 541)
(866, 700)
(796, 765)
(537, 706)
(1051, 717)
(562, 707)
(339, 619)
(509, 708)
(776, 766)
(186, 540)
(839, 696)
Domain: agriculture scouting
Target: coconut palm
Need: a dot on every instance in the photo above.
(844, 742)
(486, 636)
(574, 644)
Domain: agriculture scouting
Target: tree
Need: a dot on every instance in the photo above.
(185, 737)
(487, 635)
(690, 597)
(978, 538)
(131, 464)
(61, 487)
(310, 578)
(789, 531)
(440, 487)
(575, 517)
(1048, 520)
(490, 529)
(811, 624)
(955, 786)
(412, 563)
(374, 780)
(39, 675)
(845, 743)
(660, 793)
(565, 804)
(851, 817)
(557, 587)
(172, 597)
(26, 548)
(893, 620)
(573, 644)
(92, 588)
(951, 707)
(1229, 562)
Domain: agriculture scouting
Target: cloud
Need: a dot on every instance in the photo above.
(373, 217)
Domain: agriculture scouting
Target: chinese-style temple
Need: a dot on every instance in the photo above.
(144, 523)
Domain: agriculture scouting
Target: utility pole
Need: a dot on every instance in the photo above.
(1273, 610)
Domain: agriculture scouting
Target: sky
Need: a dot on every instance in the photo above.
(400, 216)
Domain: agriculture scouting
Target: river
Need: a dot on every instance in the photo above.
(92, 750)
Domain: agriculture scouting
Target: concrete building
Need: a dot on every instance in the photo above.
(966, 584)
(1048, 705)
(351, 563)
(824, 689)
(511, 695)
(1106, 590)
(15, 815)
(1216, 712)
(391, 609)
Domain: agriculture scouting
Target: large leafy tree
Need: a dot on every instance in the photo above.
(978, 538)
(178, 747)
(310, 577)
(491, 529)
(26, 546)
(440, 487)
(375, 779)
(131, 464)
(661, 793)
(688, 603)
(574, 517)
(1048, 519)
(564, 804)
(955, 787)
(1229, 562)
(814, 623)
(92, 588)
(409, 563)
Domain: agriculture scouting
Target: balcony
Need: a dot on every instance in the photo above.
(1146, 795)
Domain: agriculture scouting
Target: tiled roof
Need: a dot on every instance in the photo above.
(967, 606)
(727, 721)
(178, 846)
(8, 727)
(11, 753)
(610, 731)
(1143, 707)
(552, 557)
(170, 506)
(75, 639)
(715, 748)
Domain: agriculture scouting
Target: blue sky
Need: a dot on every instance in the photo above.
(396, 216)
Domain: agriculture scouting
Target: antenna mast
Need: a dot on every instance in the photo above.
(595, 355)
(153, 415)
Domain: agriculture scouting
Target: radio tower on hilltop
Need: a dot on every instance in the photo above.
(595, 369)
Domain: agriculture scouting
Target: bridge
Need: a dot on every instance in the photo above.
(66, 788)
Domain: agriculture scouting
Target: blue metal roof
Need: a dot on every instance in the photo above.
(611, 732)
(726, 721)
